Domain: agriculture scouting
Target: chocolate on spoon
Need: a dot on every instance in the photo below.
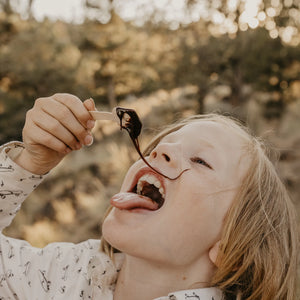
(128, 120)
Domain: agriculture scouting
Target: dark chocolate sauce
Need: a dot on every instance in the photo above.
(130, 121)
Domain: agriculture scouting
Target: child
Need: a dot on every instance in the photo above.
(220, 225)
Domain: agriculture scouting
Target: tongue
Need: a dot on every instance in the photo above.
(131, 201)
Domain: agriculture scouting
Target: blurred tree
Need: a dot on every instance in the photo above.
(109, 43)
(5, 6)
(280, 18)
(113, 60)
(36, 60)
(195, 64)
(99, 10)
(10, 7)
(129, 60)
(252, 58)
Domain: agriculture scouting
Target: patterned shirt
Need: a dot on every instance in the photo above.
(60, 270)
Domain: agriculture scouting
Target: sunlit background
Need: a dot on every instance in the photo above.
(252, 13)
(167, 59)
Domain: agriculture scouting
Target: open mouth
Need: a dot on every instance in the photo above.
(151, 188)
(147, 193)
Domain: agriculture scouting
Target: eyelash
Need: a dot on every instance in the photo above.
(200, 161)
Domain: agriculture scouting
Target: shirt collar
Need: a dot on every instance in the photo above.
(211, 293)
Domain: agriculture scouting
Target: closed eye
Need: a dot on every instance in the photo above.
(201, 161)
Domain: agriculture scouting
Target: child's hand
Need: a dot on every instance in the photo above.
(54, 127)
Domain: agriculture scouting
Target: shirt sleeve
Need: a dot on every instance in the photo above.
(15, 183)
(58, 271)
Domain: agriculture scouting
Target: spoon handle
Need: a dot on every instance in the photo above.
(103, 115)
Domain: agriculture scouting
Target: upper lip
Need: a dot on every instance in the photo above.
(143, 171)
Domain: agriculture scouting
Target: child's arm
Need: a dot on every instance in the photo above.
(27, 272)
(54, 127)
(16, 183)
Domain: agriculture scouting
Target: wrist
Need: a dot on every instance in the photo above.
(25, 161)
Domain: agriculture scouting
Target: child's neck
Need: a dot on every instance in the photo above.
(140, 279)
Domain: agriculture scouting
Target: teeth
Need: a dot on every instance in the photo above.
(161, 190)
(157, 184)
(151, 180)
(139, 188)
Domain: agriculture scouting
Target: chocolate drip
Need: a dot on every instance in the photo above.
(130, 121)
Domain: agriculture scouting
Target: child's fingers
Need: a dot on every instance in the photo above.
(75, 105)
(70, 112)
(89, 104)
(62, 120)
(38, 136)
(53, 127)
(50, 125)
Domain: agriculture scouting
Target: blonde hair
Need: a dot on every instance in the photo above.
(257, 258)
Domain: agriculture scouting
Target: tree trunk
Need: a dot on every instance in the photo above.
(6, 7)
(200, 95)
(111, 93)
(236, 96)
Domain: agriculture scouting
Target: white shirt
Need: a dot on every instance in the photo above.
(60, 270)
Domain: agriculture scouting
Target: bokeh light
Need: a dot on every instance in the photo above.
(236, 15)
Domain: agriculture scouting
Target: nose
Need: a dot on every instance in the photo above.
(169, 159)
(166, 154)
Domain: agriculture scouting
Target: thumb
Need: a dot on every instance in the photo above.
(89, 104)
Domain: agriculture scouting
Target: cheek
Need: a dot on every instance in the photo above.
(190, 224)
(218, 205)
(202, 209)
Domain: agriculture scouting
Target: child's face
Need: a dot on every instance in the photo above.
(189, 222)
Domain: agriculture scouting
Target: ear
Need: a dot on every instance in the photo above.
(213, 253)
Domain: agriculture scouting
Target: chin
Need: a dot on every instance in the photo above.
(115, 235)
(123, 239)
(110, 233)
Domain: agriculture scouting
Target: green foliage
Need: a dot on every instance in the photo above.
(112, 61)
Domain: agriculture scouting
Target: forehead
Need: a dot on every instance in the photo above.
(211, 131)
